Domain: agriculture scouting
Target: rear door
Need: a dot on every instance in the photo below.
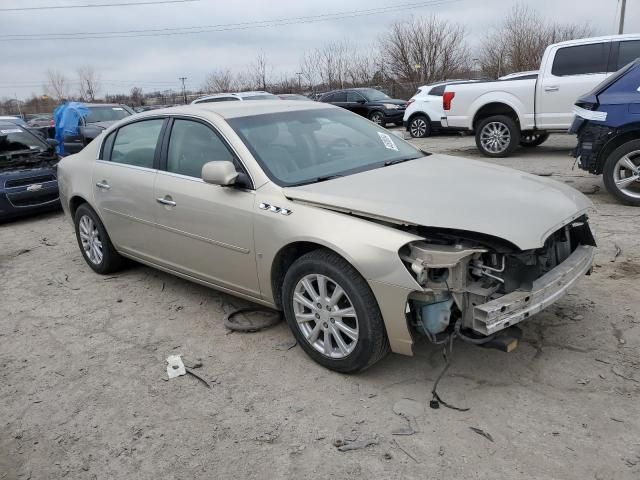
(123, 181)
(622, 53)
(205, 231)
(573, 71)
(356, 103)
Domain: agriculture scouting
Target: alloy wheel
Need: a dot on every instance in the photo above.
(326, 316)
(418, 127)
(626, 174)
(377, 118)
(90, 238)
(495, 137)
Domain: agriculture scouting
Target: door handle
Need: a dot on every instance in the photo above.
(103, 184)
(551, 88)
(166, 201)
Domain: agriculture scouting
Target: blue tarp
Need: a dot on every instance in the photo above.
(67, 119)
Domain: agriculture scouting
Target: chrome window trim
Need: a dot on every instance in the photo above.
(125, 165)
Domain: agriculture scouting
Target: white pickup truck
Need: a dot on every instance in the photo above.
(522, 111)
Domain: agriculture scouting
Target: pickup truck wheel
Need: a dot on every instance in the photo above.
(333, 313)
(377, 117)
(621, 173)
(497, 136)
(531, 140)
(94, 242)
(419, 127)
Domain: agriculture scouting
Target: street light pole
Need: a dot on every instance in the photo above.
(184, 91)
(623, 5)
(299, 81)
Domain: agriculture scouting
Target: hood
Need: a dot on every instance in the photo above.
(455, 193)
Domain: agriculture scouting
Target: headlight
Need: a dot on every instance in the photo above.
(390, 106)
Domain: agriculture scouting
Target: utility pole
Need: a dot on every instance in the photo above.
(184, 91)
(299, 81)
(623, 5)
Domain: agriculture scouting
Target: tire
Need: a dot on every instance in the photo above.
(614, 171)
(88, 225)
(377, 117)
(370, 344)
(533, 139)
(420, 126)
(501, 125)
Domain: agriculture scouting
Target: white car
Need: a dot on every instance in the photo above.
(520, 75)
(523, 110)
(424, 109)
(238, 96)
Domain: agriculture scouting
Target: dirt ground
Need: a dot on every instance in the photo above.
(84, 394)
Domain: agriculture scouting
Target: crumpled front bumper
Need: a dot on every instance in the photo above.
(517, 306)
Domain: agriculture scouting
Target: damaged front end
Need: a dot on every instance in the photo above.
(483, 285)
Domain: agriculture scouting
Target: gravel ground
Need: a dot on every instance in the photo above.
(84, 394)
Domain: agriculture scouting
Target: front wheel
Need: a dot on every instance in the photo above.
(530, 140)
(333, 313)
(377, 117)
(497, 136)
(419, 127)
(621, 174)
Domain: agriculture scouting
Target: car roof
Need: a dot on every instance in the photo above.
(239, 109)
(604, 38)
(251, 93)
(103, 104)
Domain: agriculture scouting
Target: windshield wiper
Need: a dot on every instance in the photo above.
(323, 178)
(399, 160)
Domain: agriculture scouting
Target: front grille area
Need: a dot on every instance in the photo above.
(21, 182)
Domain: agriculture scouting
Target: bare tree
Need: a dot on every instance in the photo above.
(136, 96)
(219, 81)
(259, 71)
(423, 50)
(518, 43)
(89, 83)
(57, 85)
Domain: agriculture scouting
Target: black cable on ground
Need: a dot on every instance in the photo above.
(436, 400)
(248, 326)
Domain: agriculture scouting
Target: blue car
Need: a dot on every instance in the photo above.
(28, 180)
(607, 124)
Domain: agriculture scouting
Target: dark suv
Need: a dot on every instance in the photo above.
(101, 116)
(607, 123)
(368, 102)
(28, 180)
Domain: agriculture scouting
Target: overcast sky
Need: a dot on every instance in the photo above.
(157, 62)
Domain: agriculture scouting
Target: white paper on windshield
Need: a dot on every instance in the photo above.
(117, 108)
(388, 143)
(11, 130)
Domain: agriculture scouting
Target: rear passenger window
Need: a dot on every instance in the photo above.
(339, 97)
(581, 60)
(192, 144)
(438, 91)
(135, 144)
(627, 52)
(354, 97)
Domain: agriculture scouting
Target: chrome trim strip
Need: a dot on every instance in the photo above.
(125, 165)
(175, 230)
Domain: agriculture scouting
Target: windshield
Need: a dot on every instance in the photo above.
(15, 139)
(298, 147)
(106, 114)
(373, 95)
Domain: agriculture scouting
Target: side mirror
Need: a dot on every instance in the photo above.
(52, 142)
(219, 173)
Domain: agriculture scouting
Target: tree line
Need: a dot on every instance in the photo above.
(409, 53)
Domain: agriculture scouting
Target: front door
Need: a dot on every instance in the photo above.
(123, 182)
(206, 231)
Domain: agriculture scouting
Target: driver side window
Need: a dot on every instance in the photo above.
(191, 145)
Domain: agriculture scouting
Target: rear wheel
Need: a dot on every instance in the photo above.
(497, 136)
(94, 242)
(377, 117)
(530, 140)
(419, 126)
(621, 173)
(333, 313)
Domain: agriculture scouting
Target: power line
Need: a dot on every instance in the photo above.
(95, 5)
(222, 27)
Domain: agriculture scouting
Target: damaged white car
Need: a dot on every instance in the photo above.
(364, 241)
